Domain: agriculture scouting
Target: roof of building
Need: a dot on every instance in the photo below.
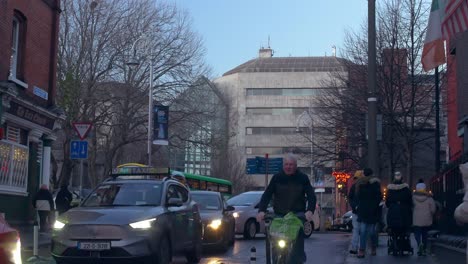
(290, 64)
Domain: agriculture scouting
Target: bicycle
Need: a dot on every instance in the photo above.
(278, 246)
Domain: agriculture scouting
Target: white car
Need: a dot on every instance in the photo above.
(246, 209)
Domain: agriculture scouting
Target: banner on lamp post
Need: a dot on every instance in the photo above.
(160, 125)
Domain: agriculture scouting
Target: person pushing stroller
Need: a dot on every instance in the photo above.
(399, 216)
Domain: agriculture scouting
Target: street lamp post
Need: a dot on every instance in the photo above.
(372, 83)
(311, 139)
(135, 62)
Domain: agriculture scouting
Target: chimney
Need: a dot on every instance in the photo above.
(265, 53)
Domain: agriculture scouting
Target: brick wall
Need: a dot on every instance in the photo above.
(39, 57)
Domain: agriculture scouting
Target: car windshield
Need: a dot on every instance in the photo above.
(125, 194)
(207, 202)
(245, 199)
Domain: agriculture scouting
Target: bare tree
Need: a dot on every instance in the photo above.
(404, 91)
(97, 86)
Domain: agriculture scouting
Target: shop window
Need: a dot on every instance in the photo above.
(13, 168)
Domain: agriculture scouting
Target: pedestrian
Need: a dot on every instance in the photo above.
(353, 202)
(44, 204)
(424, 210)
(290, 191)
(369, 196)
(63, 199)
(399, 203)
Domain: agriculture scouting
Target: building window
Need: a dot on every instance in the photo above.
(284, 91)
(17, 49)
(13, 168)
(275, 111)
(275, 130)
(17, 135)
(277, 150)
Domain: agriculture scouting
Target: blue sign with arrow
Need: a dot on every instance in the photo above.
(78, 149)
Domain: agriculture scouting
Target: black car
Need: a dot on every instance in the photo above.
(217, 218)
(128, 220)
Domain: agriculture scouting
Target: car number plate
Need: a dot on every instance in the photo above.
(94, 246)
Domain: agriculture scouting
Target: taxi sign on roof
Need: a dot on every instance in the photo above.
(139, 171)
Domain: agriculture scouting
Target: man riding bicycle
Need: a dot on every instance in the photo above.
(289, 189)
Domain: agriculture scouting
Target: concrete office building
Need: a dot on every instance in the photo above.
(267, 98)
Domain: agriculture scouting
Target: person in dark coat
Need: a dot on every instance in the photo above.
(369, 196)
(353, 202)
(399, 203)
(44, 204)
(289, 190)
(63, 199)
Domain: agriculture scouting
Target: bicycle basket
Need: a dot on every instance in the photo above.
(286, 228)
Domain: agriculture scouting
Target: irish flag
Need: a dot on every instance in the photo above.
(433, 50)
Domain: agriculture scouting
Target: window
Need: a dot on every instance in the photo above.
(276, 111)
(275, 130)
(17, 49)
(183, 194)
(277, 150)
(283, 91)
(13, 167)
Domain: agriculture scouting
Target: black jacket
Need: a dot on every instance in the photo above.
(399, 203)
(289, 194)
(353, 200)
(368, 199)
(63, 200)
(43, 196)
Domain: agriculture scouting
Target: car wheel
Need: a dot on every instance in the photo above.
(250, 229)
(164, 253)
(308, 229)
(195, 255)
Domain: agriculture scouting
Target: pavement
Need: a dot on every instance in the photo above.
(27, 245)
(382, 256)
(321, 248)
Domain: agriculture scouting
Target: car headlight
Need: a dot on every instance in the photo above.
(145, 224)
(236, 214)
(215, 224)
(58, 225)
(281, 243)
(17, 253)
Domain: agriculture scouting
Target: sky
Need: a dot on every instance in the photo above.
(234, 30)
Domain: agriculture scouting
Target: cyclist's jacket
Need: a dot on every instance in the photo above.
(289, 194)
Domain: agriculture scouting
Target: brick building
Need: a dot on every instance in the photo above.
(28, 114)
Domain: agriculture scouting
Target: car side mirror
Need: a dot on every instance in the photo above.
(230, 208)
(175, 202)
(256, 206)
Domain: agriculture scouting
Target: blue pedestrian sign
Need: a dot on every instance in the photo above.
(78, 149)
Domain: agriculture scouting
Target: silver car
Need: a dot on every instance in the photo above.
(124, 221)
(246, 209)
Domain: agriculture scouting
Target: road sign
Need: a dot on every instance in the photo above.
(82, 129)
(320, 190)
(258, 165)
(78, 149)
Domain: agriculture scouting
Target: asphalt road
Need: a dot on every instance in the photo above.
(327, 248)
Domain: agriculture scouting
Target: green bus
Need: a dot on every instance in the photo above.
(205, 183)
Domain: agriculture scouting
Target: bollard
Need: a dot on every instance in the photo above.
(36, 241)
(253, 255)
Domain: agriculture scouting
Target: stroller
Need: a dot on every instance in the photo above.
(399, 243)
